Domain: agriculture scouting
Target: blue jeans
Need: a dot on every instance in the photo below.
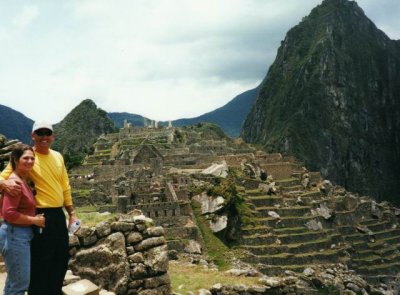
(16, 250)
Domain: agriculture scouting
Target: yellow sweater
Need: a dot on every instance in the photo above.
(51, 180)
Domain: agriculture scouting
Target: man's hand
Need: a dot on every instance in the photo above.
(71, 220)
(72, 215)
(12, 186)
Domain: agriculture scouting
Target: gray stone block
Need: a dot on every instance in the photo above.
(82, 287)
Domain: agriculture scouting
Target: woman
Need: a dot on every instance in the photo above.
(19, 216)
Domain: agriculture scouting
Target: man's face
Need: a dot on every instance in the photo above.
(43, 138)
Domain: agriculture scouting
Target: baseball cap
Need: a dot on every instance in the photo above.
(41, 125)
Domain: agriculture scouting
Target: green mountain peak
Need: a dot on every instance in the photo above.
(332, 99)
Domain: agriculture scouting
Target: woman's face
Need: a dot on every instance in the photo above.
(25, 163)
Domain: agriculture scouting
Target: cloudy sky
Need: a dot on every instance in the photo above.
(164, 59)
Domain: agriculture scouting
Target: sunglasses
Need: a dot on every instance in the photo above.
(43, 132)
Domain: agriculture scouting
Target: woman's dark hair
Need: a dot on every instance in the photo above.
(17, 153)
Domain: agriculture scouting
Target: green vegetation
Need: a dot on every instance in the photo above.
(90, 217)
(208, 130)
(78, 131)
(135, 120)
(195, 190)
(291, 179)
(328, 290)
(81, 192)
(186, 278)
(317, 102)
(225, 188)
(130, 142)
(233, 195)
(216, 249)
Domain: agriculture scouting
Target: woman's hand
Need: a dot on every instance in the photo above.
(39, 220)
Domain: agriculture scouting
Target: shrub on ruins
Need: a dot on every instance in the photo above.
(5, 150)
(207, 130)
(235, 208)
(2, 140)
(225, 188)
(179, 136)
(328, 290)
(73, 160)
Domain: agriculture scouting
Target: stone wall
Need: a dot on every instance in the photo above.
(80, 171)
(280, 170)
(81, 183)
(110, 171)
(156, 210)
(237, 159)
(127, 255)
(148, 198)
(271, 158)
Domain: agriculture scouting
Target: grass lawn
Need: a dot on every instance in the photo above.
(90, 217)
(185, 278)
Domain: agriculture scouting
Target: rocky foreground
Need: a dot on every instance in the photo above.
(128, 255)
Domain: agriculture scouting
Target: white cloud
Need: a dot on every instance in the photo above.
(165, 59)
(27, 15)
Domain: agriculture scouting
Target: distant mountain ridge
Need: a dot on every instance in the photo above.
(229, 117)
(15, 125)
(332, 99)
(77, 131)
(134, 119)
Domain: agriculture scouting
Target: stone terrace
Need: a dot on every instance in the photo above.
(298, 227)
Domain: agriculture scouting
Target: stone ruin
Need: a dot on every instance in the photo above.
(127, 255)
(300, 222)
(151, 169)
(6, 147)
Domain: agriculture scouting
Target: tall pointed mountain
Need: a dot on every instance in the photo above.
(77, 132)
(15, 125)
(332, 98)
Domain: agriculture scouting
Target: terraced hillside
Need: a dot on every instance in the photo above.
(306, 223)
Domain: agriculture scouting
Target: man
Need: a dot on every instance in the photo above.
(49, 248)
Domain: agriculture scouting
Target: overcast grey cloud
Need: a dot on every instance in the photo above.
(161, 59)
